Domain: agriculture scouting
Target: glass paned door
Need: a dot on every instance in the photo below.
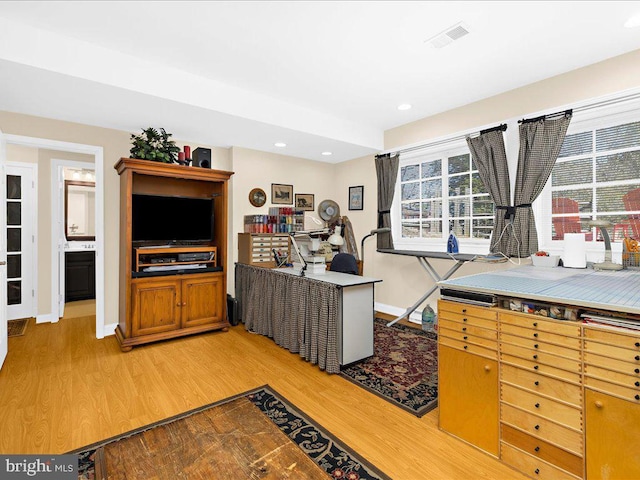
(20, 240)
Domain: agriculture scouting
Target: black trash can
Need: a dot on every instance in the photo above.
(232, 310)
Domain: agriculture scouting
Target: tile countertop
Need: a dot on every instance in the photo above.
(617, 291)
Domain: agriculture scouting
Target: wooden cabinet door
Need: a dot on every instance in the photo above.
(612, 439)
(203, 301)
(468, 397)
(156, 306)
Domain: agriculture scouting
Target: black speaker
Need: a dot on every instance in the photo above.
(201, 157)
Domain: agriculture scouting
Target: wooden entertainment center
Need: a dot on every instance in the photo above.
(176, 289)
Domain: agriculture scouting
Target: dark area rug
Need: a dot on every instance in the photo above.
(257, 434)
(403, 369)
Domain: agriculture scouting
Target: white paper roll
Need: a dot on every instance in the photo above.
(575, 251)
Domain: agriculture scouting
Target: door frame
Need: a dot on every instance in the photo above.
(58, 221)
(102, 330)
(32, 273)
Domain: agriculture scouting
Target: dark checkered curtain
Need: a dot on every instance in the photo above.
(490, 158)
(540, 143)
(387, 170)
(299, 313)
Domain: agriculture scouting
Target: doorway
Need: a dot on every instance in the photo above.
(75, 226)
(101, 329)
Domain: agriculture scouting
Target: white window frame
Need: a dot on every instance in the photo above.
(439, 151)
(613, 109)
(588, 120)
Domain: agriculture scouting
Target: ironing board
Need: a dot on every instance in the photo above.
(459, 259)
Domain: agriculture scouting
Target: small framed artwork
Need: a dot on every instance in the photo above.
(304, 201)
(282, 194)
(356, 198)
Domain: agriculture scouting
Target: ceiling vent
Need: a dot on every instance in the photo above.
(449, 35)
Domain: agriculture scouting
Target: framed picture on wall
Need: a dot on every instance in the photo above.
(304, 201)
(356, 198)
(282, 194)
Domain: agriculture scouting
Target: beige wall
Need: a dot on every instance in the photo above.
(404, 281)
(256, 169)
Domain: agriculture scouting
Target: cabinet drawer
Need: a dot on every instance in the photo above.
(543, 406)
(543, 450)
(624, 340)
(537, 383)
(468, 339)
(569, 329)
(531, 466)
(464, 309)
(537, 346)
(469, 320)
(626, 380)
(565, 437)
(541, 357)
(631, 394)
(489, 333)
(620, 353)
(534, 366)
(468, 347)
(612, 364)
(572, 342)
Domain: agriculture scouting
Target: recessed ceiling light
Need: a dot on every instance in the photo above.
(326, 154)
(633, 22)
(404, 106)
(280, 144)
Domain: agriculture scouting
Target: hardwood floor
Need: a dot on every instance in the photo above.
(61, 389)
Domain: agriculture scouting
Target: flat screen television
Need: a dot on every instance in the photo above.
(171, 220)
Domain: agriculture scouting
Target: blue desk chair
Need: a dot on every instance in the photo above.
(345, 263)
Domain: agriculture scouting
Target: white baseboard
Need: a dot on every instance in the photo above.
(47, 318)
(109, 329)
(415, 317)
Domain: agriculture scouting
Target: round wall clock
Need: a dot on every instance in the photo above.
(257, 197)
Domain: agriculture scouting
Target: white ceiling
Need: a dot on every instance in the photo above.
(317, 75)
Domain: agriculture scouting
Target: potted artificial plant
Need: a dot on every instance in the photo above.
(154, 145)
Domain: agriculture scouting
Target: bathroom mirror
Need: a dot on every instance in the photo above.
(79, 211)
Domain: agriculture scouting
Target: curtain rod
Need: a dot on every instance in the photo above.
(546, 117)
(499, 128)
(580, 108)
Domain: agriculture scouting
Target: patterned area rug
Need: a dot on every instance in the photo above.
(327, 455)
(403, 369)
(17, 327)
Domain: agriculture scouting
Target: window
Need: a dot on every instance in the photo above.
(597, 175)
(441, 192)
